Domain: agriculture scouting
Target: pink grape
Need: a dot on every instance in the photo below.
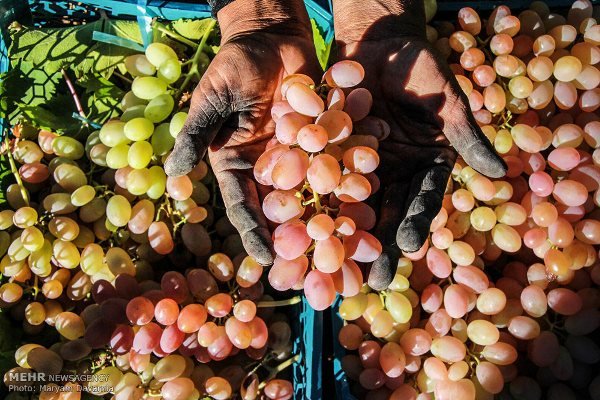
(328, 254)
(290, 169)
(337, 123)
(320, 227)
(362, 247)
(282, 205)
(323, 174)
(319, 289)
(312, 138)
(290, 239)
(263, 168)
(304, 100)
(286, 273)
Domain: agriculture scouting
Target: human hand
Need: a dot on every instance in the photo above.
(230, 114)
(416, 93)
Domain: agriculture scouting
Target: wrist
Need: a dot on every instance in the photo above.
(377, 19)
(241, 17)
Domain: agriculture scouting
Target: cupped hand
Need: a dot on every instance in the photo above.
(416, 93)
(230, 115)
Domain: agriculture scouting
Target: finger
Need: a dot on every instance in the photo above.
(208, 110)
(383, 269)
(424, 202)
(243, 209)
(461, 129)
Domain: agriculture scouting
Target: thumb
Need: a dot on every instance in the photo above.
(207, 113)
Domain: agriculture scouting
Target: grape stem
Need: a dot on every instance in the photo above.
(278, 369)
(123, 77)
(279, 303)
(74, 94)
(15, 171)
(160, 27)
(194, 68)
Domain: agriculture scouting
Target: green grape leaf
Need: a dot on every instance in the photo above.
(103, 58)
(323, 49)
(193, 29)
(25, 84)
(51, 49)
(6, 178)
(103, 98)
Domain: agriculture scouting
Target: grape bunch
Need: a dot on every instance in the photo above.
(321, 175)
(92, 246)
(502, 299)
(178, 339)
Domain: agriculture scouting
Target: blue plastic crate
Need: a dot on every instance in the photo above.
(342, 385)
(307, 372)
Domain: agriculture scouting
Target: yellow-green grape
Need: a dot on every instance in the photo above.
(398, 306)
(14, 196)
(64, 146)
(353, 307)
(399, 283)
(148, 87)
(69, 177)
(158, 53)
(83, 195)
(140, 154)
(118, 210)
(39, 261)
(159, 182)
(520, 87)
(6, 219)
(503, 141)
(92, 140)
(162, 141)
(35, 313)
(117, 156)
(32, 238)
(66, 254)
(92, 258)
(16, 250)
(177, 123)
(133, 112)
(170, 70)
(130, 100)
(113, 133)
(104, 381)
(119, 262)
(58, 203)
(98, 154)
(55, 162)
(69, 325)
(169, 368)
(25, 217)
(64, 228)
(138, 65)
(27, 151)
(383, 324)
(139, 129)
(483, 219)
(405, 267)
(11, 268)
(22, 352)
(4, 242)
(138, 181)
(159, 108)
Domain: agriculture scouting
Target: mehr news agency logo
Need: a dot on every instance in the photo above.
(20, 381)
